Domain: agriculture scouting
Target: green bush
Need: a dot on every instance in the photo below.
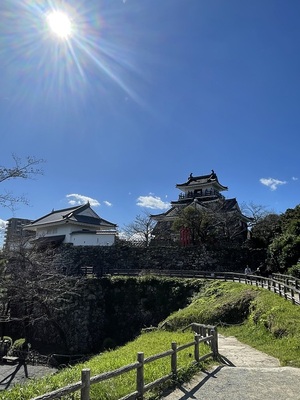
(294, 271)
(218, 303)
(19, 343)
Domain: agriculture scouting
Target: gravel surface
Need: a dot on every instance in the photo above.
(245, 375)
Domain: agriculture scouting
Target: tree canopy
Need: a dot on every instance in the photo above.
(202, 224)
(279, 237)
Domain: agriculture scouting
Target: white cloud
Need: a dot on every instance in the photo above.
(107, 203)
(294, 178)
(153, 202)
(272, 183)
(78, 199)
(2, 225)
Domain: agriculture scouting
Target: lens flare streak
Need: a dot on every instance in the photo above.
(54, 64)
(107, 69)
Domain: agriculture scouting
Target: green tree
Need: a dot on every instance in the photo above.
(284, 251)
(290, 221)
(284, 248)
(202, 224)
(265, 230)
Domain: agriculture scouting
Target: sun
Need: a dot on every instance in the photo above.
(60, 24)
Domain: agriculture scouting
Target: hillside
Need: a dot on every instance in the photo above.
(255, 316)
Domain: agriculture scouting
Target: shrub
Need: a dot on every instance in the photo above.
(294, 271)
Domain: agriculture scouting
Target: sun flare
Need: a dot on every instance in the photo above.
(60, 24)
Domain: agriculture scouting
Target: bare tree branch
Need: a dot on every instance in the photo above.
(255, 211)
(33, 289)
(140, 229)
(23, 169)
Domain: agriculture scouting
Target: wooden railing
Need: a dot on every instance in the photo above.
(288, 280)
(204, 334)
(289, 289)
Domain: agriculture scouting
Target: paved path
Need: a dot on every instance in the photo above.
(9, 375)
(245, 375)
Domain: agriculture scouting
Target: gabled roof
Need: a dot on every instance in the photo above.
(232, 205)
(202, 179)
(72, 214)
(229, 205)
(170, 213)
(226, 205)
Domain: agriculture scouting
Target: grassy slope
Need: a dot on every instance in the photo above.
(272, 327)
(253, 315)
(150, 343)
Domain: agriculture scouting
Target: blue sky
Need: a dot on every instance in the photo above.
(144, 92)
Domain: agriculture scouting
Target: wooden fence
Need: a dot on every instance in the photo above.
(287, 279)
(204, 333)
(285, 287)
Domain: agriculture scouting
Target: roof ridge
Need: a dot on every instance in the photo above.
(81, 207)
(57, 211)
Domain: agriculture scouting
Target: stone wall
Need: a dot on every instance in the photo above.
(112, 310)
(106, 259)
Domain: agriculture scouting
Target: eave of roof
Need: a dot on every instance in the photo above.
(211, 178)
(50, 239)
(158, 216)
(200, 200)
(106, 232)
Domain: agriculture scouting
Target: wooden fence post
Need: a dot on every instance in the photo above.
(196, 351)
(85, 379)
(287, 281)
(208, 331)
(174, 358)
(140, 376)
(201, 330)
(293, 296)
(214, 342)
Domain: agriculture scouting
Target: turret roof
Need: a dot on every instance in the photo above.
(71, 214)
(202, 179)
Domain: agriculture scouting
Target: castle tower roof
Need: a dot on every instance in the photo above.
(202, 180)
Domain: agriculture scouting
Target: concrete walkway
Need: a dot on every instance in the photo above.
(245, 375)
(10, 374)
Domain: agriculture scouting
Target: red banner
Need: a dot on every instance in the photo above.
(185, 236)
